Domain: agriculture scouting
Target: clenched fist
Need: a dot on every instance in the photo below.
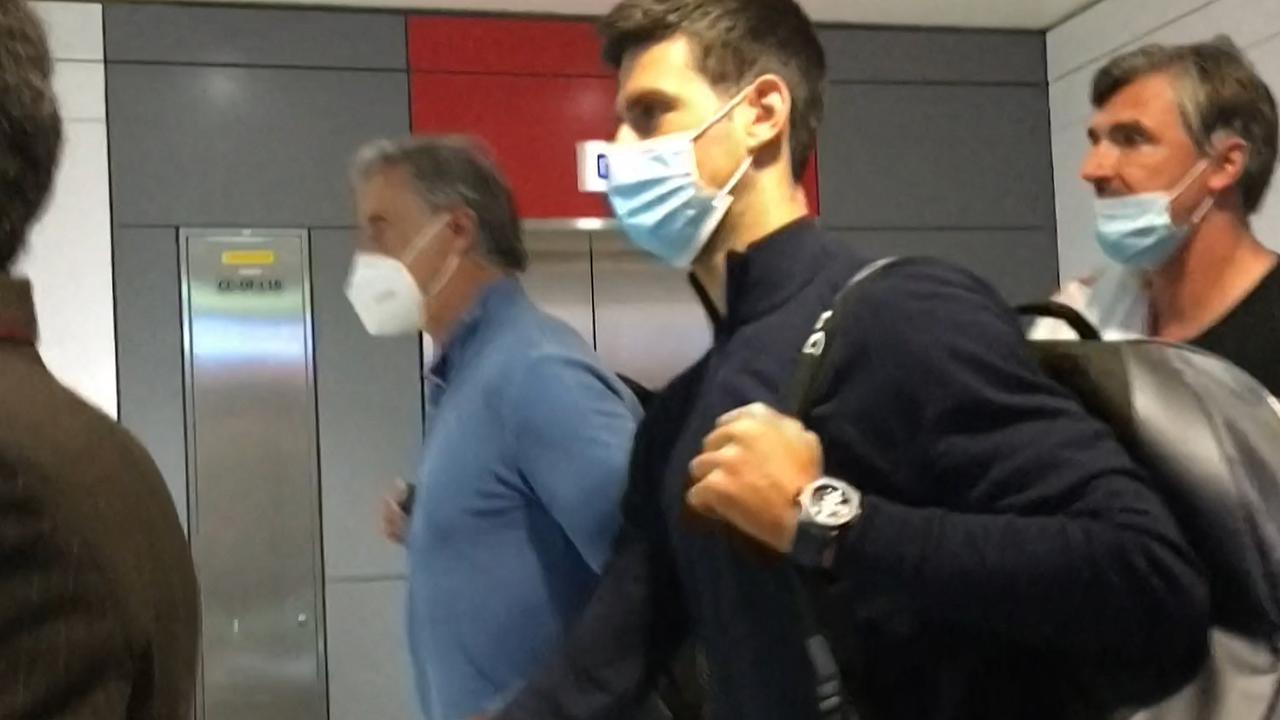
(395, 523)
(751, 471)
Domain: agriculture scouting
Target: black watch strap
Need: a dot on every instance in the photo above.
(814, 545)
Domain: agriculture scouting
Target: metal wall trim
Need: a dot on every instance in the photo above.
(557, 224)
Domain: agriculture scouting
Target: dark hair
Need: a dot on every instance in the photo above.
(1218, 91)
(734, 41)
(452, 171)
(30, 128)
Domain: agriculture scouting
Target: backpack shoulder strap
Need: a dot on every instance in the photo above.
(1063, 312)
(809, 373)
(805, 380)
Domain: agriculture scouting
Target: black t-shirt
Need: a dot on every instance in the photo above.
(1249, 335)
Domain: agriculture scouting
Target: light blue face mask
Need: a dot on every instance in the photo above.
(657, 198)
(1137, 230)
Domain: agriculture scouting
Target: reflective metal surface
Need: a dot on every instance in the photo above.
(642, 317)
(559, 276)
(253, 477)
(649, 323)
(606, 224)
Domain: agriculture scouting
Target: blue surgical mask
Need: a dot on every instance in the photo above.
(658, 199)
(1137, 230)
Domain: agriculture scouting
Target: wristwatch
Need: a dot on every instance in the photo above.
(827, 507)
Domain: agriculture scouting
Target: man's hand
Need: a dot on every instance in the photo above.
(751, 470)
(394, 520)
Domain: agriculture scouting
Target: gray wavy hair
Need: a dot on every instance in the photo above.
(453, 171)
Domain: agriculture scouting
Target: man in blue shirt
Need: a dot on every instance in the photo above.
(524, 460)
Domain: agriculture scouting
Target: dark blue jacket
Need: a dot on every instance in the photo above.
(1010, 561)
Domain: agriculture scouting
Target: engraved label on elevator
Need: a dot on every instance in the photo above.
(253, 473)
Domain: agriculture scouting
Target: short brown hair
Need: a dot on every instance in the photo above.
(735, 41)
(30, 127)
(1218, 92)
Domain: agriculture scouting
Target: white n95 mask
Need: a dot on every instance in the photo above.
(385, 295)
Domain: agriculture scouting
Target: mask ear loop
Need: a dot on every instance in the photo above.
(720, 115)
(425, 236)
(734, 102)
(737, 176)
(1206, 205)
(420, 242)
(1191, 176)
(451, 266)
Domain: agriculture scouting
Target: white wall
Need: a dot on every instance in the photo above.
(69, 253)
(1077, 48)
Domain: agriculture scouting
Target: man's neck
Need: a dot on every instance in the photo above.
(1220, 265)
(446, 310)
(750, 220)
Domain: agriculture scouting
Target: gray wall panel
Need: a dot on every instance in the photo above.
(879, 55)
(1022, 264)
(244, 36)
(369, 676)
(918, 156)
(368, 394)
(149, 349)
(239, 146)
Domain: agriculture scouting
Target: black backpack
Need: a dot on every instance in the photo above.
(682, 684)
(1209, 435)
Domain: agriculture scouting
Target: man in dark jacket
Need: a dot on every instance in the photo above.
(98, 603)
(997, 555)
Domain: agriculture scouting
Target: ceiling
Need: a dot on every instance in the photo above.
(1008, 14)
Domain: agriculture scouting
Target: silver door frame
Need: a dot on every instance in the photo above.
(185, 237)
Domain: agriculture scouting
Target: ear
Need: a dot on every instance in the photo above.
(1233, 157)
(769, 106)
(460, 230)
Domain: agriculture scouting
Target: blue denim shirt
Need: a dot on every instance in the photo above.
(518, 500)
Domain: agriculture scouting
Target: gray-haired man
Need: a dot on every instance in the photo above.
(524, 461)
(1182, 150)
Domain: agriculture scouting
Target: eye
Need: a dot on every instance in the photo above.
(644, 118)
(1129, 136)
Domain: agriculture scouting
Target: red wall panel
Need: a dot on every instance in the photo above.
(532, 124)
(532, 89)
(505, 45)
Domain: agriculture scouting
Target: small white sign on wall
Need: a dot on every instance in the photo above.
(593, 166)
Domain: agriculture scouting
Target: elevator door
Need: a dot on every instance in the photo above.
(649, 323)
(559, 276)
(252, 473)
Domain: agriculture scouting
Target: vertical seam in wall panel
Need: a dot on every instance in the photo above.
(322, 644)
(591, 275)
(422, 355)
(1053, 168)
(111, 214)
(187, 440)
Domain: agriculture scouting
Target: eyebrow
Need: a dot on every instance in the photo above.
(1134, 126)
(651, 94)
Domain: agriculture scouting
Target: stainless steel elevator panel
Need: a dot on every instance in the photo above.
(649, 323)
(253, 473)
(559, 276)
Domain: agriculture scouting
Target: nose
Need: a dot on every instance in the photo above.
(624, 134)
(1098, 168)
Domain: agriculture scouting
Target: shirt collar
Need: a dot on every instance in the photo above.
(499, 294)
(767, 275)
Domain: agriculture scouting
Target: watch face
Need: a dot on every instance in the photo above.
(830, 503)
